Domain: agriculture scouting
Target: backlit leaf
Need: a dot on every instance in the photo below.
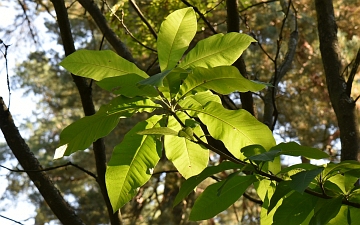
(174, 37)
(211, 201)
(132, 162)
(82, 133)
(98, 65)
(190, 184)
(217, 50)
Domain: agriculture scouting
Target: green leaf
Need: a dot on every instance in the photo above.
(188, 157)
(325, 210)
(98, 65)
(265, 157)
(174, 37)
(301, 180)
(210, 202)
(217, 50)
(299, 167)
(347, 216)
(199, 100)
(282, 189)
(222, 79)
(252, 150)
(342, 167)
(345, 181)
(190, 184)
(294, 149)
(132, 162)
(294, 209)
(82, 133)
(235, 128)
(156, 80)
(172, 82)
(158, 130)
(127, 85)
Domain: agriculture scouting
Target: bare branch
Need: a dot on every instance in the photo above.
(121, 20)
(7, 218)
(110, 35)
(51, 168)
(258, 4)
(6, 68)
(28, 161)
(354, 69)
(24, 9)
(142, 17)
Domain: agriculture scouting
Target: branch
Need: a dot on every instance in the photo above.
(85, 92)
(258, 4)
(109, 34)
(270, 111)
(121, 20)
(28, 161)
(24, 8)
(7, 218)
(7, 69)
(142, 17)
(51, 168)
(354, 69)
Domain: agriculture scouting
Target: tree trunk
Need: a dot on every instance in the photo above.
(343, 104)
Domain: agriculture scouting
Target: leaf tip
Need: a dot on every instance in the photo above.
(60, 151)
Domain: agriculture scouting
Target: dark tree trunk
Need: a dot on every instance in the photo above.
(343, 104)
(233, 25)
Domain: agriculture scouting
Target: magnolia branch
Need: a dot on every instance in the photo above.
(52, 168)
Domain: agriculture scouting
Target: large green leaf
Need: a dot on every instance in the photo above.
(190, 184)
(217, 50)
(199, 100)
(344, 181)
(188, 157)
(299, 167)
(347, 216)
(219, 196)
(127, 85)
(98, 65)
(325, 210)
(174, 37)
(80, 134)
(132, 162)
(222, 79)
(294, 149)
(235, 128)
(294, 209)
(301, 180)
(282, 189)
(348, 166)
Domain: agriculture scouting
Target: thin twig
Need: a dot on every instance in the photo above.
(11, 219)
(24, 8)
(207, 11)
(142, 17)
(6, 68)
(121, 20)
(257, 4)
(354, 69)
(51, 168)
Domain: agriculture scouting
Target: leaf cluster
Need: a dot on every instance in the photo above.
(185, 111)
